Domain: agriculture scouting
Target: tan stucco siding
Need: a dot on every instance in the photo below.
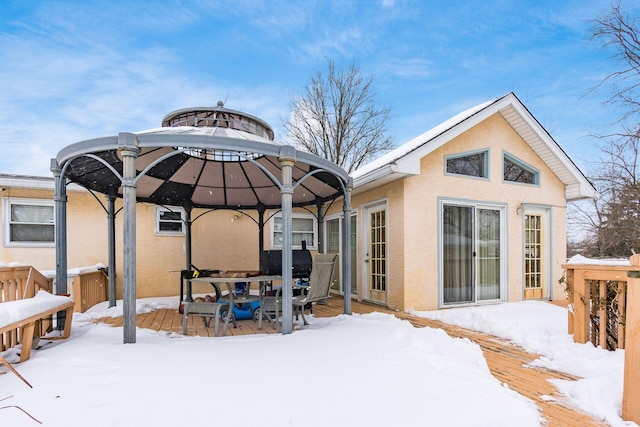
(422, 193)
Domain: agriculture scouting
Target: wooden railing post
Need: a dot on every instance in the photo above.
(631, 389)
(581, 306)
(570, 296)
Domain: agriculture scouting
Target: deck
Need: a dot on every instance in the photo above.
(505, 360)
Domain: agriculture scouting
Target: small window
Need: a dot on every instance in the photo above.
(303, 227)
(470, 164)
(29, 222)
(518, 171)
(170, 222)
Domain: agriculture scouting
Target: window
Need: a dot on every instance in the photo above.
(29, 222)
(471, 164)
(518, 171)
(170, 222)
(303, 227)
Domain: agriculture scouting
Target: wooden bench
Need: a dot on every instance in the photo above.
(27, 314)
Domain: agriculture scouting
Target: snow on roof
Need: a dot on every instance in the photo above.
(206, 131)
(418, 141)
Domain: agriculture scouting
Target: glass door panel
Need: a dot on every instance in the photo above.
(333, 230)
(488, 242)
(457, 242)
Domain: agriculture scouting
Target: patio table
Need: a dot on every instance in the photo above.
(245, 298)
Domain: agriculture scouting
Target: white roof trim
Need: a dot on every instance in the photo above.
(406, 158)
(33, 182)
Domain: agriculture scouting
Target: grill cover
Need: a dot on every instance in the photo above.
(301, 260)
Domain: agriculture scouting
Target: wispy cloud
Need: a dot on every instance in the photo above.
(77, 69)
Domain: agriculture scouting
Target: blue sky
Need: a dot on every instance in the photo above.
(82, 69)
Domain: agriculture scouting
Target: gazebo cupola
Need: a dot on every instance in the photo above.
(218, 117)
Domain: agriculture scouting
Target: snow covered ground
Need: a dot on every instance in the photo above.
(359, 370)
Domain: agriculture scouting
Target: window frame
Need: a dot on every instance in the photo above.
(485, 172)
(8, 202)
(272, 230)
(527, 167)
(157, 221)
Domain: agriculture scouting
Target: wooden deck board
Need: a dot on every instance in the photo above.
(507, 362)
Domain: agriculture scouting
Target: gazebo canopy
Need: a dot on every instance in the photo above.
(210, 157)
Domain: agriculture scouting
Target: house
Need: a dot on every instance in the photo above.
(472, 211)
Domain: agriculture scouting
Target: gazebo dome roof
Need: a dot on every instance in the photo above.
(208, 157)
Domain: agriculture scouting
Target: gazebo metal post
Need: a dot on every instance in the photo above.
(346, 247)
(187, 209)
(111, 219)
(287, 159)
(129, 150)
(319, 206)
(261, 209)
(60, 233)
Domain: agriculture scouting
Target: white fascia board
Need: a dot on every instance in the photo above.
(375, 175)
(33, 182)
(577, 191)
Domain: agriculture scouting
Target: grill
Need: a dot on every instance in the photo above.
(271, 263)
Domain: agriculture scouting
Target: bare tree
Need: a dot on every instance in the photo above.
(618, 32)
(614, 219)
(616, 215)
(336, 118)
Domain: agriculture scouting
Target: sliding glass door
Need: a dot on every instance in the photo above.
(333, 239)
(472, 240)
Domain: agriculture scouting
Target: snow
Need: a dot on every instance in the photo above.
(541, 328)
(13, 311)
(12, 264)
(579, 259)
(373, 370)
(75, 271)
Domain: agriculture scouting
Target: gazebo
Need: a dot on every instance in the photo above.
(209, 157)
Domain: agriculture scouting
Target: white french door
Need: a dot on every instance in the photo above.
(471, 257)
(536, 234)
(375, 258)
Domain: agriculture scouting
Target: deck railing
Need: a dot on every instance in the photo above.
(18, 283)
(89, 289)
(604, 309)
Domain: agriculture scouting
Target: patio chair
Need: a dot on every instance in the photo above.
(319, 286)
(206, 310)
(318, 289)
